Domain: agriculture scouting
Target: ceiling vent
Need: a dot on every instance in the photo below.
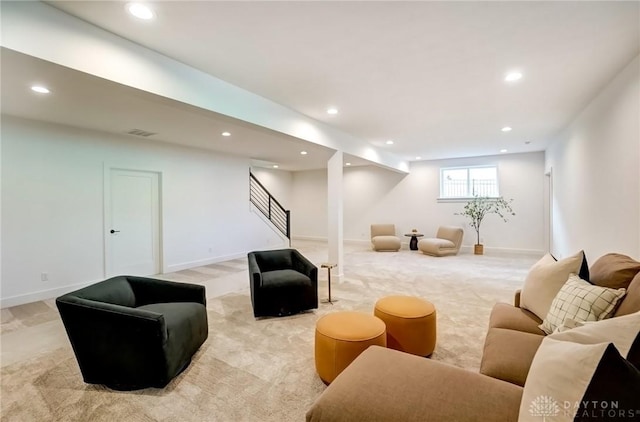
(139, 132)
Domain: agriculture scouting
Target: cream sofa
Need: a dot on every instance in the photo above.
(387, 385)
(447, 242)
(516, 329)
(383, 237)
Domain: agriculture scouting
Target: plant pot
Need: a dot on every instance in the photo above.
(478, 249)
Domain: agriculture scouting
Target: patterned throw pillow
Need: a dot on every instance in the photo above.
(579, 300)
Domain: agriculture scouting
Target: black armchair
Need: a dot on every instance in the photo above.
(282, 282)
(133, 332)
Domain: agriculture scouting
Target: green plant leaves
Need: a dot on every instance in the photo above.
(480, 206)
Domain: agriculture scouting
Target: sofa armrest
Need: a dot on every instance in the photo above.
(516, 298)
(113, 341)
(150, 290)
(83, 314)
(255, 275)
(304, 266)
(387, 385)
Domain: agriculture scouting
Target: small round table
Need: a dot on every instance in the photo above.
(329, 266)
(413, 243)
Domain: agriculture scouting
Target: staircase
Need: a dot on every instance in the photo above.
(269, 206)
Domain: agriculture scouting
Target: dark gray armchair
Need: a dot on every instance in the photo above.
(282, 281)
(133, 332)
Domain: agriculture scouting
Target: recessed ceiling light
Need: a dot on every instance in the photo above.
(332, 110)
(347, 164)
(303, 152)
(389, 142)
(40, 89)
(513, 76)
(503, 150)
(226, 133)
(140, 11)
(418, 158)
(506, 129)
(275, 166)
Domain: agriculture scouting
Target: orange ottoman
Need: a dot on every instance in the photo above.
(411, 323)
(341, 337)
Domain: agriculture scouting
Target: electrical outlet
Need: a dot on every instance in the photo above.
(44, 277)
(210, 250)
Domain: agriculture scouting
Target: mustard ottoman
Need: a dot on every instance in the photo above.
(341, 337)
(411, 323)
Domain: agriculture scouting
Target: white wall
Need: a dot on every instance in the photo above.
(596, 181)
(52, 206)
(376, 195)
(309, 212)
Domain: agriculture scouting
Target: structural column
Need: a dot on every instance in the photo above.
(334, 208)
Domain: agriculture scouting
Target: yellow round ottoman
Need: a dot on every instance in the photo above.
(411, 323)
(341, 337)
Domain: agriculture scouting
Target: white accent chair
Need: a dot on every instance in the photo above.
(447, 242)
(383, 237)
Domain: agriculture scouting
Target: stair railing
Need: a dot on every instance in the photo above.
(269, 206)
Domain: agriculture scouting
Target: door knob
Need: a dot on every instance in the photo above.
(114, 231)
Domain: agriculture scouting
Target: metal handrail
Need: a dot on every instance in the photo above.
(269, 206)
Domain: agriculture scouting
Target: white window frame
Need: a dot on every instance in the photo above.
(467, 168)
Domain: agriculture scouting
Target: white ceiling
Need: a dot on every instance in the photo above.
(82, 100)
(428, 75)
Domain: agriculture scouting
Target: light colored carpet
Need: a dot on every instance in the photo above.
(263, 370)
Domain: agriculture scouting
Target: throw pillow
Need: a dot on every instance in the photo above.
(614, 270)
(571, 381)
(584, 268)
(545, 279)
(580, 301)
(622, 331)
(631, 302)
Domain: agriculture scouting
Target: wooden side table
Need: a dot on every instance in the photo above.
(413, 243)
(328, 266)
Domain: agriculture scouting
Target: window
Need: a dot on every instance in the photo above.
(466, 182)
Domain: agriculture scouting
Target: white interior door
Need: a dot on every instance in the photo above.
(132, 216)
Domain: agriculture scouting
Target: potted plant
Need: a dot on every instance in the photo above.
(479, 207)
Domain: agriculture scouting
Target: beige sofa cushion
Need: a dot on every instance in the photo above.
(584, 380)
(545, 279)
(383, 237)
(387, 385)
(504, 315)
(508, 354)
(447, 242)
(621, 331)
(386, 243)
(383, 230)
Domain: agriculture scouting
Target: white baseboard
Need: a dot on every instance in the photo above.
(202, 262)
(7, 302)
(405, 245)
(324, 240)
(514, 251)
(312, 238)
(361, 242)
